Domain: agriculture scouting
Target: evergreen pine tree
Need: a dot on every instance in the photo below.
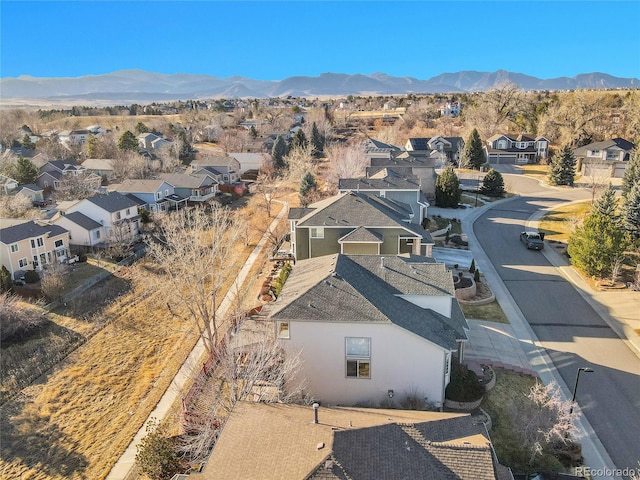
(300, 139)
(24, 171)
(448, 189)
(631, 213)
(562, 167)
(27, 143)
(493, 184)
(307, 186)
(278, 153)
(473, 155)
(595, 245)
(476, 276)
(631, 174)
(128, 142)
(253, 132)
(141, 128)
(472, 268)
(316, 140)
(607, 204)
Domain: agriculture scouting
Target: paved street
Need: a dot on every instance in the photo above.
(568, 327)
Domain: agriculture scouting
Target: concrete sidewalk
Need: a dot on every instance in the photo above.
(191, 365)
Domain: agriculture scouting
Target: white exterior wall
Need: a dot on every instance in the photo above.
(80, 236)
(439, 303)
(101, 216)
(400, 361)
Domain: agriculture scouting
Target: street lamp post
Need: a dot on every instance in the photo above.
(575, 387)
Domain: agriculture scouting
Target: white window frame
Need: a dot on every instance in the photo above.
(14, 247)
(360, 359)
(158, 195)
(283, 330)
(316, 232)
(40, 242)
(60, 241)
(23, 262)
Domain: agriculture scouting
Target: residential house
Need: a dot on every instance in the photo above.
(32, 192)
(157, 194)
(151, 141)
(74, 137)
(228, 168)
(356, 223)
(117, 213)
(102, 167)
(521, 149)
(97, 130)
(607, 159)
(52, 173)
(387, 184)
(350, 443)
(251, 161)
(450, 109)
(444, 148)
(365, 325)
(32, 246)
(7, 184)
(195, 187)
(83, 230)
(376, 149)
(409, 164)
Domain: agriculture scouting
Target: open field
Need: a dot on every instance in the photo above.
(79, 416)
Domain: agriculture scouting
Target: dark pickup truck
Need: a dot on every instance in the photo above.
(532, 240)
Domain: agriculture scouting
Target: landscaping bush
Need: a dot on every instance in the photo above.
(279, 281)
(31, 276)
(464, 385)
(472, 268)
(82, 257)
(476, 276)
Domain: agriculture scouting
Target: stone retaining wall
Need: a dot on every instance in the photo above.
(467, 406)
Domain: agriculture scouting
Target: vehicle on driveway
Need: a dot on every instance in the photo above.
(532, 240)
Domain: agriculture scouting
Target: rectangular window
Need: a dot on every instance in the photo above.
(128, 211)
(612, 156)
(358, 351)
(447, 363)
(33, 243)
(22, 263)
(158, 195)
(58, 243)
(118, 216)
(14, 247)
(283, 330)
(317, 233)
(97, 233)
(40, 241)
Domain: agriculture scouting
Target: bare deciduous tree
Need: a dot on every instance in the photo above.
(346, 161)
(129, 165)
(17, 206)
(194, 249)
(300, 161)
(83, 185)
(53, 281)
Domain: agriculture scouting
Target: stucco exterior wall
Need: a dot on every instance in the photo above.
(400, 361)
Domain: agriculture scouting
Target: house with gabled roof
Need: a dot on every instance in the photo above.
(7, 184)
(388, 184)
(350, 443)
(365, 325)
(100, 166)
(158, 194)
(377, 149)
(519, 149)
(196, 187)
(32, 192)
(52, 173)
(606, 159)
(32, 246)
(117, 213)
(227, 167)
(448, 148)
(409, 164)
(329, 226)
(83, 230)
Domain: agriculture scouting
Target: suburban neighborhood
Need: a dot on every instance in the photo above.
(253, 266)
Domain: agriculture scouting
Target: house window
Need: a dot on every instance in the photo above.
(502, 144)
(33, 243)
(22, 263)
(595, 153)
(97, 235)
(128, 211)
(14, 247)
(447, 363)
(158, 195)
(37, 241)
(40, 242)
(283, 330)
(358, 357)
(118, 215)
(612, 156)
(166, 193)
(317, 233)
(58, 243)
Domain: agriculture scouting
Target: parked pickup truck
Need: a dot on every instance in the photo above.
(532, 240)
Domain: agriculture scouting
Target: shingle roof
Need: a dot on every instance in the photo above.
(82, 220)
(185, 180)
(140, 186)
(372, 145)
(274, 441)
(112, 201)
(32, 187)
(361, 234)
(298, 213)
(390, 182)
(98, 164)
(341, 288)
(28, 230)
(405, 159)
(618, 142)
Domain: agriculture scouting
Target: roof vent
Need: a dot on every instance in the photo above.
(381, 262)
(320, 446)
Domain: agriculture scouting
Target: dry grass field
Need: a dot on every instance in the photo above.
(77, 418)
(559, 223)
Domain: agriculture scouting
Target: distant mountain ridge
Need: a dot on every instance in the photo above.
(132, 85)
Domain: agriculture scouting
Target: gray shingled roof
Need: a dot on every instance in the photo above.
(361, 234)
(621, 143)
(298, 213)
(341, 288)
(113, 201)
(404, 160)
(140, 185)
(28, 230)
(81, 219)
(185, 180)
(390, 182)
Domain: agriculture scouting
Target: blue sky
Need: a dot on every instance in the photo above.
(274, 40)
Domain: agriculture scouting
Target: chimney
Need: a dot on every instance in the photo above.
(316, 406)
(381, 262)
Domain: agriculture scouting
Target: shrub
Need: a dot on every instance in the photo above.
(472, 268)
(476, 276)
(31, 276)
(157, 456)
(464, 385)
(17, 319)
(82, 257)
(280, 280)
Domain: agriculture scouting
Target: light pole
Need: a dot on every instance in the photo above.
(575, 387)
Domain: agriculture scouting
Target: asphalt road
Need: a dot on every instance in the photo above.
(570, 330)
